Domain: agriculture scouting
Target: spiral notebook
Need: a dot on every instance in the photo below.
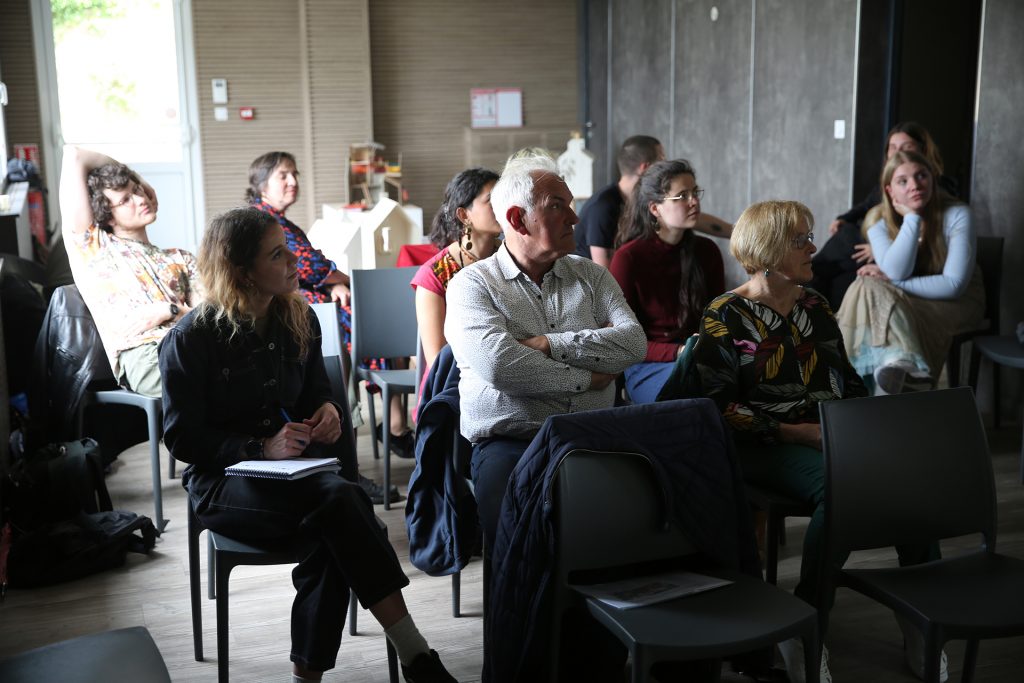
(295, 468)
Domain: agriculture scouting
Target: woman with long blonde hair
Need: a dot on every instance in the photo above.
(898, 318)
(244, 379)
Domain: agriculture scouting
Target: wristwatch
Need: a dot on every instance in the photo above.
(254, 449)
(174, 311)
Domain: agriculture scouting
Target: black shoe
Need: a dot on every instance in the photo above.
(427, 669)
(404, 446)
(376, 492)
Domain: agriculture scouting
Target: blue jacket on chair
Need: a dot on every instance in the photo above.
(692, 454)
(440, 513)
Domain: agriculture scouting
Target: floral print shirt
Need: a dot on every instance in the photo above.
(117, 275)
(762, 368)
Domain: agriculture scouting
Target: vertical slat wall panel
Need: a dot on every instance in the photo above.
(427, 54)
(18, 71)
(267, 52)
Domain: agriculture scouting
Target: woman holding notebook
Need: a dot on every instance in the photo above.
(244, 379)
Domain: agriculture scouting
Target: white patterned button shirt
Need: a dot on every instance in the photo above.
(508, 389)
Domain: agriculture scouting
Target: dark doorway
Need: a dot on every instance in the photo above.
(918, 62)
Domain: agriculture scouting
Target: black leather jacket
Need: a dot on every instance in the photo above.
(68, 357)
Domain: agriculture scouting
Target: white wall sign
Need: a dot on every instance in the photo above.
(496, 107)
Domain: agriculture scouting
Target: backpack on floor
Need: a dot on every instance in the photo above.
(77, 547)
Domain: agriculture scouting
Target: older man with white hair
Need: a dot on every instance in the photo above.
(535, 331)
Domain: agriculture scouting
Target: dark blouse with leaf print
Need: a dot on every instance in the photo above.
(761, 368)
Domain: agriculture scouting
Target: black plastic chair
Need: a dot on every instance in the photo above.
(990, 259)
(223, 555)
(925, 476)
(1005, 350)
(384, 326)
(610, 514)
(103, 389)
(127, 654)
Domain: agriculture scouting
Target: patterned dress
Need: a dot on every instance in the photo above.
(435, 274)
(762, 368)
(314, 268)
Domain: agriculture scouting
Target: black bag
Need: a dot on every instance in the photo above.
(77, 547)
(55, 483)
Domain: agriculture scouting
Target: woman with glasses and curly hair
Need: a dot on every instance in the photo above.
(899, 316)
(667, 273)
(244, 379)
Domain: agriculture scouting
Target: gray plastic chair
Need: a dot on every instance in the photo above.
(989, 257)
(610, 513)
(384, 326)
(924, 477)
(1005, 350)
(127, 654)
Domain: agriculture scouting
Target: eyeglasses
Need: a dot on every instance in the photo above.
(686, 196)
(801, 241)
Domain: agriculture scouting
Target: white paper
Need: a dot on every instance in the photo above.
(649, 590)
(510, 108)
(282, 469)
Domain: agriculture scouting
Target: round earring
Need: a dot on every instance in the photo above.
(468, 234)
(766, 273)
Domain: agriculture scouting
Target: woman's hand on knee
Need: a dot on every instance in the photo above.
(325, 424)
(289, 442)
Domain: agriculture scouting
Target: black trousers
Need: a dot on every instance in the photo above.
(346, 547)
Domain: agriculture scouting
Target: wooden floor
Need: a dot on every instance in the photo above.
(864, 640)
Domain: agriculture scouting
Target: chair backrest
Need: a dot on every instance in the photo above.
(383, 313)
(610, 513)
(990, 258)
(330, 345)
(327, 314)
(906, 468)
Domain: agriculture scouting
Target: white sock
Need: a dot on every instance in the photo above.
(407, 639)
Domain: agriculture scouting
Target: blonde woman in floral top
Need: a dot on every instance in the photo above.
(768, 353)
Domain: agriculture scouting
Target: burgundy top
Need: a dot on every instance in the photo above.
(648, 271)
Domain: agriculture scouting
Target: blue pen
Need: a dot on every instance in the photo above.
(284, 414)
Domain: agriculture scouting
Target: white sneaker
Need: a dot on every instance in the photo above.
(792, 651)
(913, 650)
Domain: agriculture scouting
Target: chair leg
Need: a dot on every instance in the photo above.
(223, 574)
(996, 412)
(812, 656)
(641, 667)
(932, 655)
(385, 416)
(970, 659)
(456, 594)
(1022, 458)
(771, 548)
(392, 661)
(193, 583)
(953, 366)
(211, 568)
(373, 428)
(353, 613)
(153, 422)
(171, 467)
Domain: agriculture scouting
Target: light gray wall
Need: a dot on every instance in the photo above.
(749, 98)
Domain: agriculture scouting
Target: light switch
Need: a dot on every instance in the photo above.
(220, 113)
(839, 129)
(220, 90)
